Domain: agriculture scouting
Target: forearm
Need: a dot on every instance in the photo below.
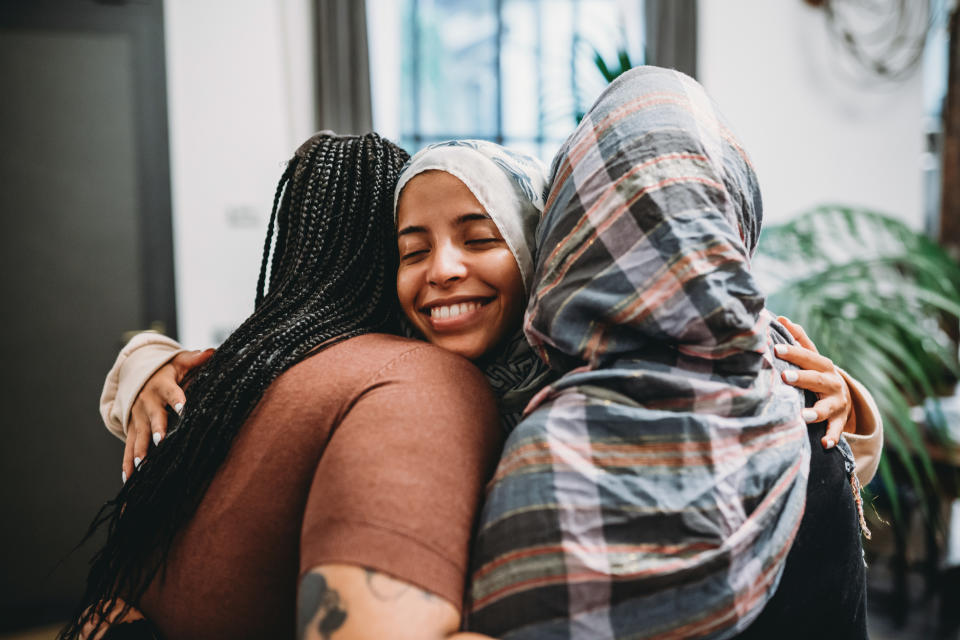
(345, 602)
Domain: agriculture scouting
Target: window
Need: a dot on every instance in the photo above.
(515, 72)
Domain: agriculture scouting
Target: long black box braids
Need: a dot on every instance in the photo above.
(332, 276)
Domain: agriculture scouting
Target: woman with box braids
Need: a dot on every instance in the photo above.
(331, 278)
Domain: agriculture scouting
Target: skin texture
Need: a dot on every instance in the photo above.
(451, 252)
(346, 602)
(818, 374)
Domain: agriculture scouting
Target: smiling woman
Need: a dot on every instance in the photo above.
(467, 213)
(458, 282)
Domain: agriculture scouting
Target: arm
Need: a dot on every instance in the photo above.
(143, 381)
(397, 490)
(344, 602)
(137, 361)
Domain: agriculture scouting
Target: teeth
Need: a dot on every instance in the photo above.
(453, 310)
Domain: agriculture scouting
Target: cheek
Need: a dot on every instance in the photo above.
(518, 302)
(510, 285)
(406, 291)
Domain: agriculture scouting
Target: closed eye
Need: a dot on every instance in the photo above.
(482, 241)
(413, 254)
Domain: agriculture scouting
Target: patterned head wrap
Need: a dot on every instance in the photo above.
(655, 488)
(510, 186)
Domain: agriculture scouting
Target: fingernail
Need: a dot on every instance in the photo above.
(830, 443)
(156, 438)
(136, 462)
(809, 415)
(780, 349)
(123, 476)
(790, 375)
(178, 408)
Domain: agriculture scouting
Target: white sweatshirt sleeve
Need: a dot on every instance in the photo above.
(867, 442)
(138, 360)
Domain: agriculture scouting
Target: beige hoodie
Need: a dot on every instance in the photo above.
(138, 360)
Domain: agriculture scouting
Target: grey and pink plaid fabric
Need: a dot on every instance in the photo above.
(654, 489)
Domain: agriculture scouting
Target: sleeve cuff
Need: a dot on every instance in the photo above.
(386, 550)
(138, 360)
(867, 442)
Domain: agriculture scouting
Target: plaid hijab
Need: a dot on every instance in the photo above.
(655, 488)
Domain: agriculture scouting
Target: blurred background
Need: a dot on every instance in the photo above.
(141, 142)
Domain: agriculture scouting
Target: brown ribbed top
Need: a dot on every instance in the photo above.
(372, 452)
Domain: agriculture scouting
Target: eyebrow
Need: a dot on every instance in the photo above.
(461, 219)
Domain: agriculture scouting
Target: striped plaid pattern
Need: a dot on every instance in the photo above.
(653, 490)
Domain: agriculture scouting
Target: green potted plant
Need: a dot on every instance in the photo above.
(882, 301)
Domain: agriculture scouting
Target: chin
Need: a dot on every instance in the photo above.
(468, 351)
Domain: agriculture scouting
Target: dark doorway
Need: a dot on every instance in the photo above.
(86, 255)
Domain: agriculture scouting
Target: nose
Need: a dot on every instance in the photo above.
(447, 266)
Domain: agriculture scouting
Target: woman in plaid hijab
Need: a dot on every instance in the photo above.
(654, 489)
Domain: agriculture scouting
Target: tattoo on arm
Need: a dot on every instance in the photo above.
(387, 589)
(318, 601)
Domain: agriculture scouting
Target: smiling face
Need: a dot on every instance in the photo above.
(458, 282)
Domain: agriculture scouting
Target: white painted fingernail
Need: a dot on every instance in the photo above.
(123, 476)
(780, 349)
(136, 462)
(830, 443)
(156, 438)
(790, 375)
(809, 415)
(178, 408)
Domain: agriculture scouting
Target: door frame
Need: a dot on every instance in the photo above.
(142, 21)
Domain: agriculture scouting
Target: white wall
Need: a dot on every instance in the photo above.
(240, 91)
(813, 136)
(240, 100)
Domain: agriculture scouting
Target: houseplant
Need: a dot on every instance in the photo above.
(880, 299)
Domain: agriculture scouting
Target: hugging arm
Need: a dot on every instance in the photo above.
(135, 364)
(148, 415)
(146, 378)
(144, 381)
(844, 403)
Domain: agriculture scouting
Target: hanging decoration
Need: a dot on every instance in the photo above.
(885, 39)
